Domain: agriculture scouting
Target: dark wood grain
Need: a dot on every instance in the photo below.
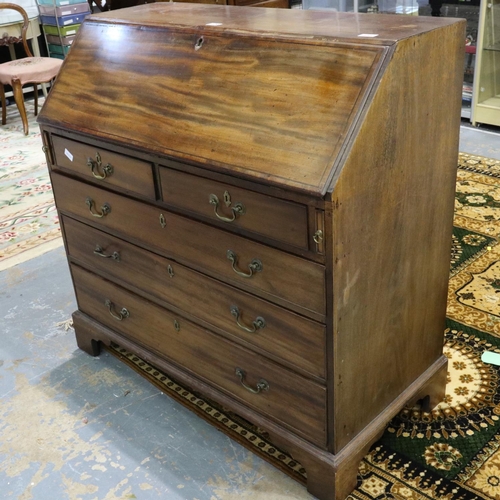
(275, 4)
(291, 399)
(313, 126)
(199, 245)
(284, 126)
(391, 265)
(288, 337)
(127, 173)
(309, 25)
(279, 4)
(276, 219)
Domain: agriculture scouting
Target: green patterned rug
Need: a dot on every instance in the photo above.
(453, 452)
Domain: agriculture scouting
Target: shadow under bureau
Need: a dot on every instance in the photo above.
(260, 203)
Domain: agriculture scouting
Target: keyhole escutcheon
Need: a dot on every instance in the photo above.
(199, 43)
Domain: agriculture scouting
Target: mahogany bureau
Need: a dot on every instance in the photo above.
(259, 202)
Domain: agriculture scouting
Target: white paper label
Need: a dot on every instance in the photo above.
(368, 35)
(70, 32)
(69, 21)
(68, 154)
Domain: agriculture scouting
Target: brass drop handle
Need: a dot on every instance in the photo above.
(105, 209)
(96, 164)
(100, 251)
(262, 385)
(121, 315)
(258, 324)
(318, 236)
(238, 208)
(255, 266)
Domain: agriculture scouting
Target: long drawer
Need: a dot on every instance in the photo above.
(282, 394)
(264, 215)
(265, 271)
(294, 339)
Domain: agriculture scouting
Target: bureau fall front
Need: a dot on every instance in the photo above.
(260, 203)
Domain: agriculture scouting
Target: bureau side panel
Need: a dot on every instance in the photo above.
(392, 223)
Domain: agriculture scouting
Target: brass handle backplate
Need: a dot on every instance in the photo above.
(105, 209)
(255, 266)
(100, 251)
(258, 324)
(237, 209)
(121, 315)
(262, 385)
(96, 165)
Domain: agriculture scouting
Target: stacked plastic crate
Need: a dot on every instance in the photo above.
(60, 20)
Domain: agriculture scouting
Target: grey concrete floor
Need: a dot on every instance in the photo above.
(484, 141)
(82, 428)
(77, 427)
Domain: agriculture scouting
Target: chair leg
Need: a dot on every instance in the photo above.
(35, 89)
(19, 98)
(4, 104)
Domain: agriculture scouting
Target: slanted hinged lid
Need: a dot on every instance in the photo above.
(264, 94)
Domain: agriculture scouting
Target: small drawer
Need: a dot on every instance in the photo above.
(283, 395)
(276, 219)
(277, 276)
(288, 337)
(104, 167)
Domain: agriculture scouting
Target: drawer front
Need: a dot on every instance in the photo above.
(290, 398)
(277, 219)
(275, 275)
(104, 167)
(292, 338)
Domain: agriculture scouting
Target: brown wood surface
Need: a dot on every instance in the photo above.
(300, 106)
(291, 399)
(128, 173)
(275, 4)
(200, 246)
(215, 2)
(308, 25)
(268, 110)
(392, 231)
(287, 337)
(330, 477)
(277, 219)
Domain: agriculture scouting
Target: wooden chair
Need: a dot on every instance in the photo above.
(29, 69)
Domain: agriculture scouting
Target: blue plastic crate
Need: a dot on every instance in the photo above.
(66, 10)
(59, 49)
(58, 3)
(64, 20)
